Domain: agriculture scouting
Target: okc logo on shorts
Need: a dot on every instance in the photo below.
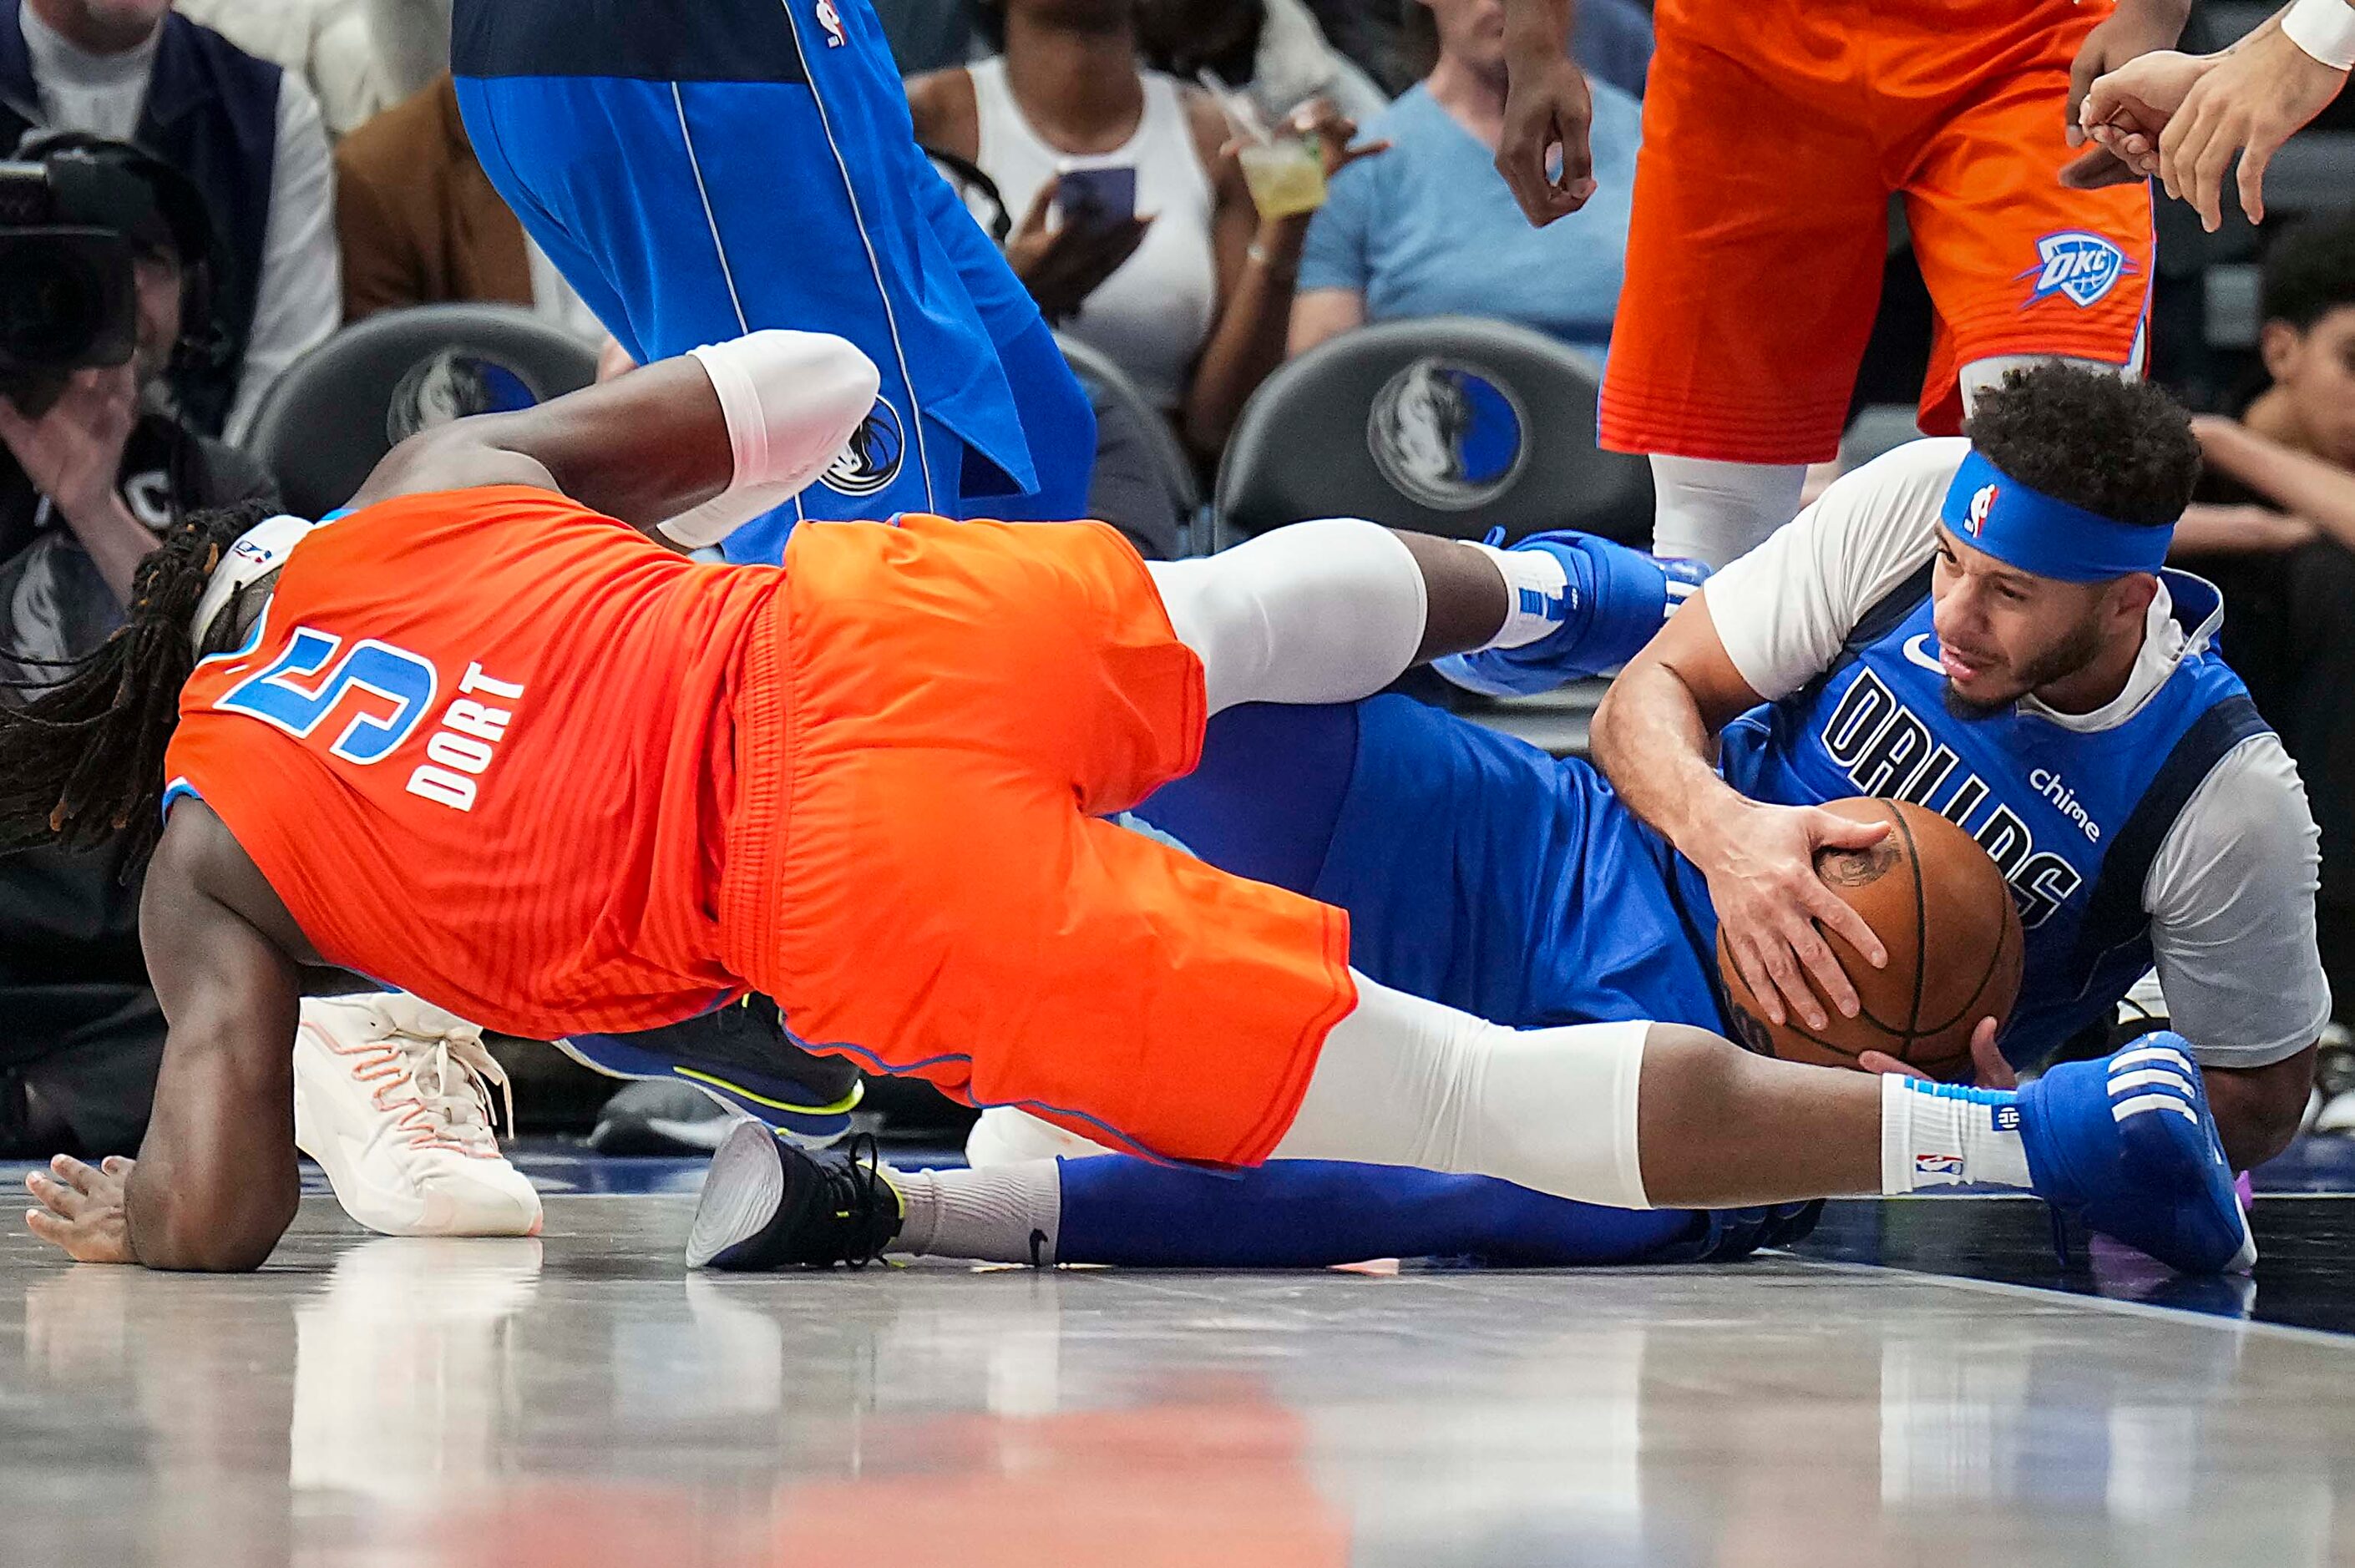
(2082, 266)
(1982, 504)
(871, 460)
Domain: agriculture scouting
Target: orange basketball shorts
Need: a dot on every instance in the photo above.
(1775, 132)
(915, 870)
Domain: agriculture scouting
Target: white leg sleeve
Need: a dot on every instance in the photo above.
(1981, 373)
(1005, 1136)
(1315, 612)
(1708, 510)
(1408, 1082)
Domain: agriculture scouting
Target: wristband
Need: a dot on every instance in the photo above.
(792, 401)
(2324, 30)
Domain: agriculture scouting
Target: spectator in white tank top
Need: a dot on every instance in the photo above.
(1192, 296)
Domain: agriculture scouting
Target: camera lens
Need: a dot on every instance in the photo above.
(50, 302)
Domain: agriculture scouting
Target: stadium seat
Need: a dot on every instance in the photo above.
(341, 407)
(1447, 424)
(1139, 421)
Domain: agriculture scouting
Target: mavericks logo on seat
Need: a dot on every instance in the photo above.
(453, 384)
(872, 461)
(1446, 435)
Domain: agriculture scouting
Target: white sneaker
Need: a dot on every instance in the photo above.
(392, 1099)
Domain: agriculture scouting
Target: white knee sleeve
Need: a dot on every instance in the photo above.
(1714, 511)
(1315, 612)
(1005, 1136)
(1981, 373)
(1404, 1081)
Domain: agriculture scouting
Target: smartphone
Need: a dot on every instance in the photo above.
(1098, 197)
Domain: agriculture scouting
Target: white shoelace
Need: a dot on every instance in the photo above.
(438, 1085)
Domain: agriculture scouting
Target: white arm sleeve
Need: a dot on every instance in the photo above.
(792, 400)
(2231, 898)
(1784, 610)
(299, 299)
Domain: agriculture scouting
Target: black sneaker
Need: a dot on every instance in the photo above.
(767, 1204)
(741, 1056)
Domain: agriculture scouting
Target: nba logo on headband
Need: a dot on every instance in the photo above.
(1975, 520)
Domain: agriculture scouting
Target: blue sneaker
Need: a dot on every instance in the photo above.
(1614, 602)
(741, 1056)
(2127, 1141)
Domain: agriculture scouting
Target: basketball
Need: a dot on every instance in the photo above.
(1940, 906)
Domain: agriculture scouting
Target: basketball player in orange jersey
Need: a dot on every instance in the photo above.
(484, 739)
(1775, 132)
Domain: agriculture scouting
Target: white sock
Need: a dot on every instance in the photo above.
(1535, 581)
(1942, 1135)
(1009, 1213)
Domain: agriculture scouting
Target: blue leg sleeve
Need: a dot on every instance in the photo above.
(1304, 1213)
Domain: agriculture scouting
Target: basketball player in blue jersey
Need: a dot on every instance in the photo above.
(1980, 625)
(699, 169)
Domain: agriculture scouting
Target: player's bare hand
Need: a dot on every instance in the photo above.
(1548, 112)
(1988, 1068)
(2124, 111)
(1063, 265)
(1772, 909)
(2135, 29)
(81, 1209)
(2250, 100)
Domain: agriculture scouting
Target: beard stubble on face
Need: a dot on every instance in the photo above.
(2071, 654)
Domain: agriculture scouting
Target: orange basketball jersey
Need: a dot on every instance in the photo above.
(482, 744)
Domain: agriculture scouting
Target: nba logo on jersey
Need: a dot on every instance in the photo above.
(831, 20)
(2082, 266)
(1982, 504)
(1937, 1165)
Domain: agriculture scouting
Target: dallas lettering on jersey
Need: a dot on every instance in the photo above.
(465, 742)
(1888, 751)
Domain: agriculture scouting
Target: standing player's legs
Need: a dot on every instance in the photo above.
(1753, 268)
(2020, 268)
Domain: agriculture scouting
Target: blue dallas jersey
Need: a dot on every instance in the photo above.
(2073, 818)
(1481, 873)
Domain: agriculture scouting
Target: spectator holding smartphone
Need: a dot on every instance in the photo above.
(1433, 229)
(1183, 284)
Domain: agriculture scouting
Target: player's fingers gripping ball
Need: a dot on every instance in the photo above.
(1940, 908)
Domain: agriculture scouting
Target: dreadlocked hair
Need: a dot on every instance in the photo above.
(81, 755)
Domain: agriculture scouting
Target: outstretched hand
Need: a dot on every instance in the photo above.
(81, 1210)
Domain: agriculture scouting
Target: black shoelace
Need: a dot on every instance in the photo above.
(856, 1192)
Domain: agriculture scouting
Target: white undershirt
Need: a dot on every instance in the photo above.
(2230, 892)
(300, 299)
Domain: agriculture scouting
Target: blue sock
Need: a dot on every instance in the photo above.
(1304, 1213)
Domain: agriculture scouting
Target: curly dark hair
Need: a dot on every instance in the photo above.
(81, 755)
(2116, 447)
(2310, 271)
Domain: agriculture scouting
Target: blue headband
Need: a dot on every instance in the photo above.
(1992, 511)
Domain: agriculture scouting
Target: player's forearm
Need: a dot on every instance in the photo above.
(216, 1183)
(1651, 741)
